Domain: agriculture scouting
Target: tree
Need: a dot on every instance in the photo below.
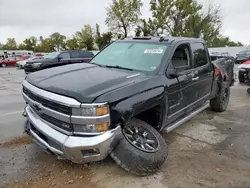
(85, 38)
(72, 44)
(102, 40)
(186, 18)
(172, 15)
(122, 15)
(45, 45)
(57, 41)
(222, 41)
(29, 44)
(21, 46)
(10, 44)
(146, 28)
(204, 25)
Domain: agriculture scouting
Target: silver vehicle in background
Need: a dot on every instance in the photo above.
(20, 64)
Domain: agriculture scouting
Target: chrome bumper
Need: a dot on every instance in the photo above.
(74, 148)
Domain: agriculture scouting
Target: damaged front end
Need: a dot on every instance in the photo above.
(78, 138)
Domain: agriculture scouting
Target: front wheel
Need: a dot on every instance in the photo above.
(3, 65)
(220, 102)
(142, 151)
(248, 91)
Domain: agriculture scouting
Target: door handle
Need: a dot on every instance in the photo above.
(195, 78)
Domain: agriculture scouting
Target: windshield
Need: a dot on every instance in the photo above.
(52, 55)
(136, 56)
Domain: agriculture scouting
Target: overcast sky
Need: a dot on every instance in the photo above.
(24, 18)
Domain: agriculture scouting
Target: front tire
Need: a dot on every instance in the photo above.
(3, 65)
(220, 102)
(248, 91)
(142, 151)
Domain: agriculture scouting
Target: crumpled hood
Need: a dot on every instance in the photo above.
(84, 82)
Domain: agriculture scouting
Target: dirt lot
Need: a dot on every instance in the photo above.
(211, 150)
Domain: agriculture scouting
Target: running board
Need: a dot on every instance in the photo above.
(178, 123)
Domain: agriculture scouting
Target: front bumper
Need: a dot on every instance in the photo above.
(29, 69)
(244, 74)
(74, 148)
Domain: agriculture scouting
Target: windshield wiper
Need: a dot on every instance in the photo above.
(96, 64)
(118, 67)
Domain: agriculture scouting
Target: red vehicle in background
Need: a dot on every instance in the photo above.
(11, 61)
(39, 54)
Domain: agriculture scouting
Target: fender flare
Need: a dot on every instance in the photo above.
(125, 109)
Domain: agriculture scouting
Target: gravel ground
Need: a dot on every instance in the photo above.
(210, 150)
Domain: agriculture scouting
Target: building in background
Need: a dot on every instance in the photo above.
(16, 52)
(231, 50)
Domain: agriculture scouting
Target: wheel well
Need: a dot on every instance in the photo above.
(152, 116)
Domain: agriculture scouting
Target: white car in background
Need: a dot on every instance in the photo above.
(20, 64)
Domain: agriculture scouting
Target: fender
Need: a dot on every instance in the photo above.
(123, 110)
(226, 67)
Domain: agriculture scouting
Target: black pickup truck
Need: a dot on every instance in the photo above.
(55, 59)
(121, 100)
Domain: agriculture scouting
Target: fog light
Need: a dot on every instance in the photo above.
(90, 152)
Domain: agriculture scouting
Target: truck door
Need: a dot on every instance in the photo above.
(195, 76)
(75, 57)
(202, 71)
(182, 98)
(64, 58)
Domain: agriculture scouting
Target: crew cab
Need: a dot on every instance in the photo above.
(56, 59)
(121, 100)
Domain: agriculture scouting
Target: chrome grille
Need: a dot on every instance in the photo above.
(49, 104)
(60, 124)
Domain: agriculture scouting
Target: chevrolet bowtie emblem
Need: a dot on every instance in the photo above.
(37, 106)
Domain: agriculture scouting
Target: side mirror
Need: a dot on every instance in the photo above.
(172, 73)
(60, 58)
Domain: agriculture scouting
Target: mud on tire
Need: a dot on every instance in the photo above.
(220, 102)
(132, 157)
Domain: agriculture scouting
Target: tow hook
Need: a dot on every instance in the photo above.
(24, 111)
(27, 127)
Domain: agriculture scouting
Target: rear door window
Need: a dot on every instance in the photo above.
(65, 55)
(75, 54)
(199, 54)
(85, 54)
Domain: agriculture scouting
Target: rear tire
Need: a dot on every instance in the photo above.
(3, 65)
(135, 158)
(220, 102)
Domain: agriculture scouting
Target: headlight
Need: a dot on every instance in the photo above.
(36, 65)
(243, 70)
(90, 112)
(91, 128)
